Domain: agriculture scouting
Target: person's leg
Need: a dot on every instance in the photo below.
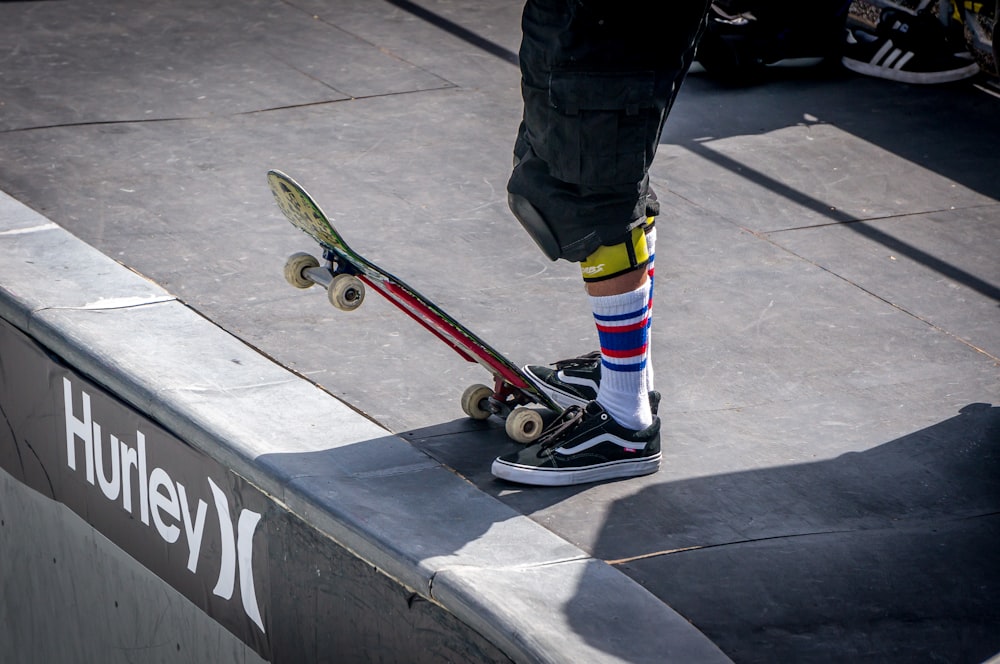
(575, 381)
(628, 283)
(651, 275)
(598, 84)
(617, 281)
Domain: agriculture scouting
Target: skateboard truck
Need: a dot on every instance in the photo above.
(343, 287)
(504, 400)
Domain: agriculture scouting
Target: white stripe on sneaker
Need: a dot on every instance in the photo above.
(882, 52)
(573, 380)
(906, 58)
(602, 438)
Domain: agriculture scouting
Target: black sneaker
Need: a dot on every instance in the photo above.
(908, 49)
(574, 382)
(583, 445)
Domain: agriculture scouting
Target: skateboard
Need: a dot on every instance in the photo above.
(346, 276)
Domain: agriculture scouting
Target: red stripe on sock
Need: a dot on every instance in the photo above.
(623, 354)
(623, 329)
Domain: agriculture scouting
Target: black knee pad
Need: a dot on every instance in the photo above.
(533, 222)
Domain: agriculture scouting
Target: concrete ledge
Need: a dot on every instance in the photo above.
(530, 593)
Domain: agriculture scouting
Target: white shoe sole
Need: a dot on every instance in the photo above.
(566, 477)
(915, 78)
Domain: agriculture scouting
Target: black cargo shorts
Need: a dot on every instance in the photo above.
(598, 79)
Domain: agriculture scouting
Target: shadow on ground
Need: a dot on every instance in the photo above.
(884, 555)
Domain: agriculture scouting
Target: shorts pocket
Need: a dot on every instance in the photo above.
(597, 128)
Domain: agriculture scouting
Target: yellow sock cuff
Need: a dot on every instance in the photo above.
(608, 262)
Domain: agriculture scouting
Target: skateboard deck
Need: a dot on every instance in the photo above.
(346, 275)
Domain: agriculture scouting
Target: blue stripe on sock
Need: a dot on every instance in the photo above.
(619, 342)
(638, 366)
(638, 313)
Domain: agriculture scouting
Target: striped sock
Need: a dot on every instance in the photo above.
(623, 329)
(651, 247)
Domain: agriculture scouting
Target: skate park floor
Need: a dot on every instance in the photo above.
(826, 330)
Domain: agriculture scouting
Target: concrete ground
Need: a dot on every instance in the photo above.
(827, 331)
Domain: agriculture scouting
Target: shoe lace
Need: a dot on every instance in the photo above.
(588, 360)
(552, 434)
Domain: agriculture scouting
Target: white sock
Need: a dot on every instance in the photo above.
(623, 327)
(651, 247)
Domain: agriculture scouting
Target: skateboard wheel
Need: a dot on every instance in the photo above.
(475, 402)
(295, 268)
(346, 292)
(524, 425)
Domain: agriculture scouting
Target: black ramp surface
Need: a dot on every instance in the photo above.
(826, 330)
